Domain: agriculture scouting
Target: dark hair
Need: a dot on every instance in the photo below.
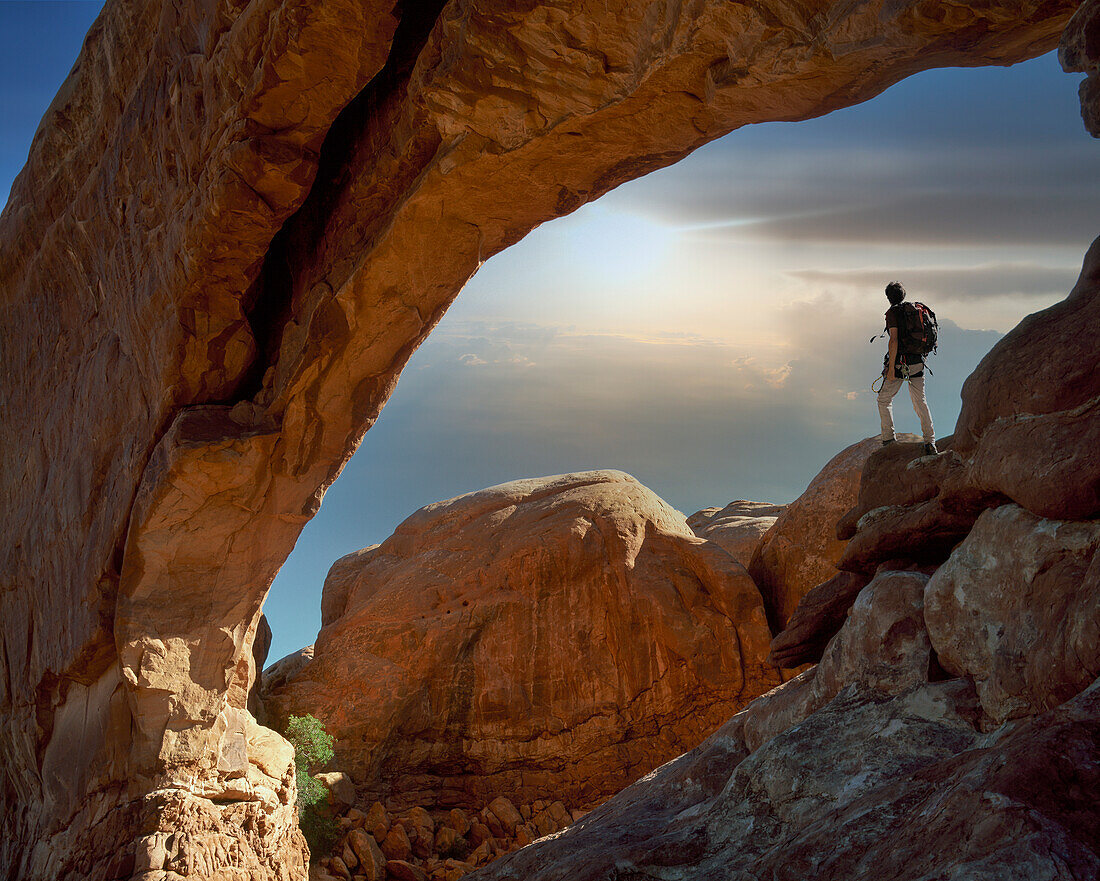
(895, 293)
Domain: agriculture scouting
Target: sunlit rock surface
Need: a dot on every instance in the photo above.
(738, 527)
(801, 550)
(552, 638)
(236, 223)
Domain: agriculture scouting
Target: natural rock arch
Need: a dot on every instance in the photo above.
(237, 221)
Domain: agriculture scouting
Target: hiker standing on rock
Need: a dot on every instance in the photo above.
(913, 330)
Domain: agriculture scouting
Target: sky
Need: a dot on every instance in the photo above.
(705, 328)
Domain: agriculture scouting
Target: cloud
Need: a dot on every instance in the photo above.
(956, 284)
(940, 196)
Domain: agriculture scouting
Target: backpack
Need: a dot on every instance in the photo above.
(918, 330)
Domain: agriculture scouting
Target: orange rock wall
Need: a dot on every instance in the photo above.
(216, 263)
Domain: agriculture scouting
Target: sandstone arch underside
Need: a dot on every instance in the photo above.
(237, 221)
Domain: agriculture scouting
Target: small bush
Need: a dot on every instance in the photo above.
(312, 750)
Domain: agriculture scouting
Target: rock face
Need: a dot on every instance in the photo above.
(738, 527)
(214, 269)
(801, 550)
(860, 768)
(551, 638)
(1016, 608)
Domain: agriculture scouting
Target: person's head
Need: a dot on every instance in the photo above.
(895, 293)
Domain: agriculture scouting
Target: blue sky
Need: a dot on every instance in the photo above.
(705, 328)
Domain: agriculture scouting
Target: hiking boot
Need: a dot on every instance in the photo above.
(930, 449)
(887, 443)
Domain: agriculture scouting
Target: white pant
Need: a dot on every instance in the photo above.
(891, 387)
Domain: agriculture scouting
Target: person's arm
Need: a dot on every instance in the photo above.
(892, 356)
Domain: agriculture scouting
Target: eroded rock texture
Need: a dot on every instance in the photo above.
(553, 638)
(738, 527)
(214, 268)
(801, 550)
(864, 767)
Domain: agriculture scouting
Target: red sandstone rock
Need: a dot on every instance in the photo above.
(883, 646)
(560, 636)
(396, 845)
(801, 549)
(924, 533)
(899, 475)
(377, 821)
(738, 527)
(506, 813)
(1046, 364)
(1079, 53)
(232, 321)
(372, 862)
(1017, 609)
(405, 871)
(816, 620)
(1049, 464)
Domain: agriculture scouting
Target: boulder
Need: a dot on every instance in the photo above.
(924, 533)
(801, 550)
(899, 475)
(396, 845)
(341, 789)
(738, 527)
(1046, 364)
(506, 813)
(1049, 464)
(401, 870)
(818, 617)
(550, 637)
(1016, 608)
(372, 862)
(882, 647)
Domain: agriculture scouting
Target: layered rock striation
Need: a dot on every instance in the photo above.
(214, 267)
(553, 638)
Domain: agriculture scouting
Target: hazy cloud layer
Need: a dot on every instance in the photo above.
(947, 158)
(958, 284)
(1038, 196)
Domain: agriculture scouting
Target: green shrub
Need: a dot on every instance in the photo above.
(312, 750)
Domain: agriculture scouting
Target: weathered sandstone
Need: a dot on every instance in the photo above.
(738, 527)
(1016, 608)
(236, 223)
(555, 637)
(869, 786)
(1079, 52)
(801, 550)
(818, 617)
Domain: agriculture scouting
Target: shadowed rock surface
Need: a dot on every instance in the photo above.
(889, 777)
(214, 267)
(552, 638)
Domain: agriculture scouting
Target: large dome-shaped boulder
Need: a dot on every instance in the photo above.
(559, 636)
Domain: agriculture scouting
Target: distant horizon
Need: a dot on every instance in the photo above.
(704, 328)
